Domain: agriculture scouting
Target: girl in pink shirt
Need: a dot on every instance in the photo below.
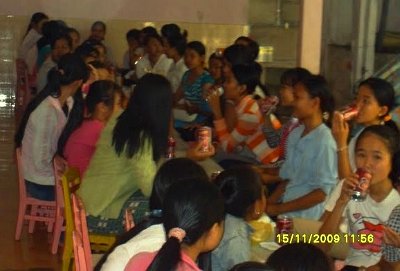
(103, 98)
(193, 216)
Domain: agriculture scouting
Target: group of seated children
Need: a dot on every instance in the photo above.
(306, 166)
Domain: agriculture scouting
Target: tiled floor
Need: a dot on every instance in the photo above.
(32, 252)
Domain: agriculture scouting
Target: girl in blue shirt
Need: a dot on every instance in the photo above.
(244, 201)
(310, 169)
(194, 83)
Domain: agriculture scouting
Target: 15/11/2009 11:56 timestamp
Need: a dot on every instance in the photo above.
(315, 238)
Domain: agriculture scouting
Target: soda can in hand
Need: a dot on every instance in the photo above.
(364, 179)
(349, 112)
(204, 138)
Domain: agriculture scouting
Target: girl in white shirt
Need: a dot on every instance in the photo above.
(47, 122)
(154, 61)
(377, 150)
(175, 46)
(33, 34)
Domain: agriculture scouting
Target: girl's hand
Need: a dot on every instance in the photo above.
(60, 164)
(391, 237)
(198, 155)
(340, 130)
(349, 184)
(213, 99)
(192, 109)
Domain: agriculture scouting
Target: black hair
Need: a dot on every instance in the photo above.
(152, 36)
(299, 257)
(94, 43)
(385, 95)
(249, 75)
(252, 45)
(146, 119)
(101, 91)
(173, 171)
(70, 68)
(238, 54)
(87, 50)
(173, 31)
(170, 172)
(98, 23)
(65, 37)
(73, 30)
(168, 30)
(317, 87)
(179, 43)
(35, 19)
(292, 76)
(133, 34)
(195, 207)
(51, 30)
(251, 266)
(215, 56)
(391, 138)
(241, 188)
(149, 30)
(197, 46)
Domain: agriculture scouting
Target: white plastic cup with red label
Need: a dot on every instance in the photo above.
(349, 112)
(204, 138)
(364, 179)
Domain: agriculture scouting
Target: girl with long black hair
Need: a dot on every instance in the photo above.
(121, 171)
(48, 120)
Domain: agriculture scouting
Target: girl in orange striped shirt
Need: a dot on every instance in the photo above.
(247, 131)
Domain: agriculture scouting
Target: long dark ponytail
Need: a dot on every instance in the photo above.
(194, 207)
(69, 69)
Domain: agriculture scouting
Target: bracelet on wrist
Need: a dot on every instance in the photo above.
(342, 149)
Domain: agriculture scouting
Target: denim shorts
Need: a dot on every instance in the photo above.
(39, 191)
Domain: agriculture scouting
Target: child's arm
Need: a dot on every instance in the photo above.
(268, 175)
(333, 220)
(340, 131)
(230, 115)
(178, 95)
(309, 200)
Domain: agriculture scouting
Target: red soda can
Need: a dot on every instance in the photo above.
(170, 148)
(364, 179)
(349, 112)
(204, 137)
(284, 224)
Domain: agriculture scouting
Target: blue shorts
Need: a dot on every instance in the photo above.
(39, 191)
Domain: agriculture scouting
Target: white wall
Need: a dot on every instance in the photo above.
(194, 11)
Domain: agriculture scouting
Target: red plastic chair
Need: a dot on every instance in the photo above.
(31, 209)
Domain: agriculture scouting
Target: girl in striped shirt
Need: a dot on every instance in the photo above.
(247, 128)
